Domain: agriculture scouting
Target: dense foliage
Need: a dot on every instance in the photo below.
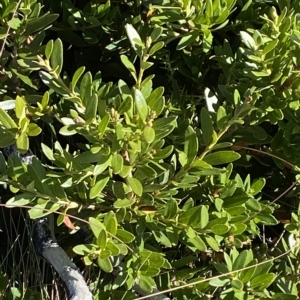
(114, 100)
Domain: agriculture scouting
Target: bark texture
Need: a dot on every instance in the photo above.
(75, 284)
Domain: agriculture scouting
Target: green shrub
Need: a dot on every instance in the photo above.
(109, 96)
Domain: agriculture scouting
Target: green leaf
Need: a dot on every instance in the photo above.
(126, 105)
(7, 9)
(21, 199)
(219, 282)
(33, 129)
(123, 203)
(228, 261)
(187, 39)
(2, 164)
(246, 275)
(113, 248)
(149, 134)
(129, 65)
(41, 210)
(6, 120)
(135, 185)
(237, 284)
(15, 292)
(14, 23)
(24, 78)
(22, 143)
(189, 216)
(248, 40)
(56, 58)
(68, 130)
(221, 118)
(103, 125)
(117, 163)
(90, 36)
(284, 296)
(221, 268)
(105, 264)
(235, 210)
(146, 65)
(217, 221)
(96, 226)
(212, 243)
(156, 47)
(8, 104)
(163, 153)
(206, 127)
(221, 145)
(270, 46)
(257, 186)
(140, 104)
(220, 229)
(98, 187)
(156, 33)
(156, 101)
(204, 216)
(190, 144)
(76, 77)
(171, 209)
(105, 253)
(253, 204)
(146, 283)
(91, 108)
(239, 228)
(164, 122)
(49, 49)
(84, 249)
(262, 281)
(37, 24)
(20, 108)
(122, 248)
(125, 236)
(50, 81)
(102, 164)
(266, 219)
(112, 225)
(120, 189)
(126, 170)
(149, 172)
(124, 90)
(263, 268)
(135, 39)
(221, 157)
(241, 261)
(102, 239)
(198, 243)
(86, 89)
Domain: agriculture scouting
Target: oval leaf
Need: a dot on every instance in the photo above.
(221, 157)
(140, 104)
(206, 127)
(135, 185)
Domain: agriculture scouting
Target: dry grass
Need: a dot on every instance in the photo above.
(27, 274)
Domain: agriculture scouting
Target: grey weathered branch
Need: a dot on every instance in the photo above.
(75, 284)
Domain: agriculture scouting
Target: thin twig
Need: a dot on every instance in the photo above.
(265, 153)
(215, 277)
